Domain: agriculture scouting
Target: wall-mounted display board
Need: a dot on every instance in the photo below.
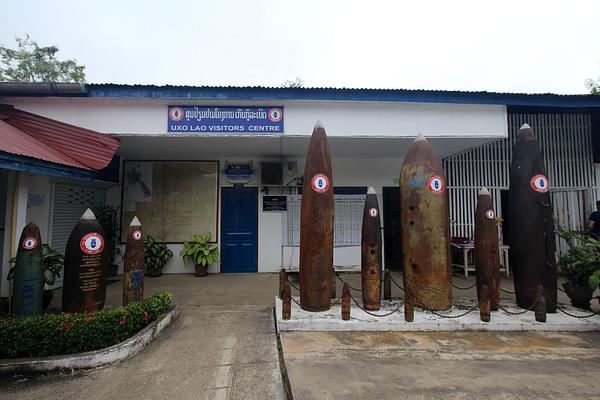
(173, 199)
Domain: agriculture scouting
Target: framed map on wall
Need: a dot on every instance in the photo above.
(173, 199)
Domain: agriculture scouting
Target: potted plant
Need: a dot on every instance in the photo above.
(53, 263)
(156, 256)
(108, 217)
(200, 252)
(578, 266)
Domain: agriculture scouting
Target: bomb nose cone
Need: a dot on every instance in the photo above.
(525, 126)
(319, 124)
(371, 190)
(88, 214)
(484, 191)
(420, 137)
(135, 221)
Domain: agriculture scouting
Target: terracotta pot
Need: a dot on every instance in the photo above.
(580, 295)
(154, 272)
(201, 270)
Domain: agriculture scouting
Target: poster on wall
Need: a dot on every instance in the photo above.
(175, 199)
(218, 121)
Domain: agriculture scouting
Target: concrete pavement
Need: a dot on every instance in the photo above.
(222, 347)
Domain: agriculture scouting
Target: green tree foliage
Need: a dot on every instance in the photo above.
(593, 86)
(31, 63)
(295, 83)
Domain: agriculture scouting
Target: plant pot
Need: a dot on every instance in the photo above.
(112, 270)
(201, 270)
(580, 295)
(154, 272)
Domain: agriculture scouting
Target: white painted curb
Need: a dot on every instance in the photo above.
(96, 358)
(331, 320)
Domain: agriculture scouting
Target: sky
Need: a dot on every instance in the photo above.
(501, 46)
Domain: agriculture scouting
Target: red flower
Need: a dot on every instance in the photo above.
(122, 322)
(146, 315)
(68, 325)
(89, 318)
(66, 315)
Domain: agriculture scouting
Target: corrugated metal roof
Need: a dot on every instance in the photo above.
(91, 149)
(32, 135)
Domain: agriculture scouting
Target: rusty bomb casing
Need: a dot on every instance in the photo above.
(316, 225)
(487, 252)
(532, 246)
(425, 227)
(133, 264)
(28, 277)
(86, 258)
(370, 253)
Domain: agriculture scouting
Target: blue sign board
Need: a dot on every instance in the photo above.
(225, 120)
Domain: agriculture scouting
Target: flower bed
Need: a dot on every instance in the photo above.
(53, 334)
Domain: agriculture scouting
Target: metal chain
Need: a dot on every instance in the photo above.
(396, 283)
(464, 288)
(506, 291)
(376, 315)
(578, 316)
(470, 310)
(294, 286)
(520, 312)
(343, 281)
(295, 301)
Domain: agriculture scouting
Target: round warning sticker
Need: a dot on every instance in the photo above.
(92, 243)
(275, 114)
(29, 243)
(540, 183)
(373, 212)
(436, 184)
(320, 183)
(490, 214)
(176, 113)
(136, 235)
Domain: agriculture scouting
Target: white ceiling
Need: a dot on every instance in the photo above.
(189, 148)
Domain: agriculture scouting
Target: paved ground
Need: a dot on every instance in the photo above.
(222, 347)
(451, 365)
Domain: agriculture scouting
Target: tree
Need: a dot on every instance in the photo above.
(593, 86)
(295, 83)
(32, 63)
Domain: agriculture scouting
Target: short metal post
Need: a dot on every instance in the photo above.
(333, 282)
(346, 302)
(387, 285)
(286, 307)
(282, 279)
(540, 307)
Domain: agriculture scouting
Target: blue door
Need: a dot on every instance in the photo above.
(239, 214)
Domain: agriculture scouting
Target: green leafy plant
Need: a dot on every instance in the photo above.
(52, 334)
(108, 217)
(156, 254)
(53, 263)
(200, 251)
(580, 265)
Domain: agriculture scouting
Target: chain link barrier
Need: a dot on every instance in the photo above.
(344, 282)
(464, 288)
(577, 316)
(377, 315)
(470, 310)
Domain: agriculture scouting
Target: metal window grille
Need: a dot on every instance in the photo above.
(565, 141)
(347, 221)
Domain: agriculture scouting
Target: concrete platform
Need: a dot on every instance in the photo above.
(424, 321)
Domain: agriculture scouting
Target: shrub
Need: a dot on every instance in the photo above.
(52, 334)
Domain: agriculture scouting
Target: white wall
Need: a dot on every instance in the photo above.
(342, 118)
(39, 203)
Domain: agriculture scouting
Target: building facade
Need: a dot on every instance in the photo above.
(230, 161)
